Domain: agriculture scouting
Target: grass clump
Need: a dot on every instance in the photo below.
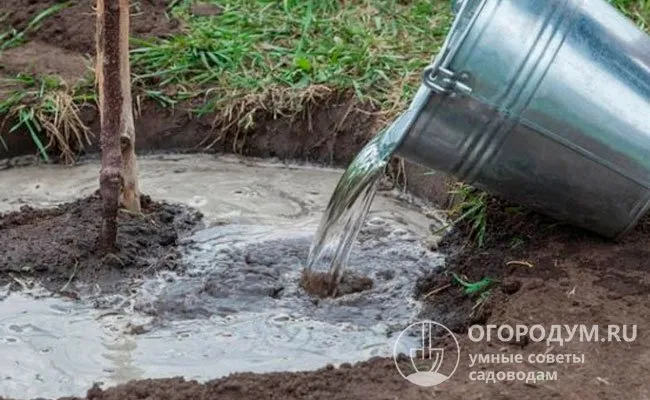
(481, 289)
(279, 55)
(471, 207)
(637, 10)
(473, 288)
(45, 106)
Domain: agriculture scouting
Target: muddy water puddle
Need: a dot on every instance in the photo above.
(238, 306)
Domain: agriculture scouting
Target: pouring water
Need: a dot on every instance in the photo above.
(348, 208)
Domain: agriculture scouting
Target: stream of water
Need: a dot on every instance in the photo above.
(348, 207)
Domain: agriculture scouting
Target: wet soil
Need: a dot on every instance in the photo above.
(372, 379)
(320, 284)
(60, 244)
(546, 273)
(522, 245)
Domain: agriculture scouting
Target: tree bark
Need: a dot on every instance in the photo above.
(118, 178)
(130, 191)
(111, 100)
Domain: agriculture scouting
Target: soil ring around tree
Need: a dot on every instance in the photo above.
(59, 244)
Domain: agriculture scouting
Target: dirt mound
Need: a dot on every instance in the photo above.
(73, 28)
(58, 244)
(523, 245)
(374, 379)
(547, 273)
(316, 136)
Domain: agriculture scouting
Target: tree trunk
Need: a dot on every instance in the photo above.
(118, 176)
(130, 191)
(110, 106)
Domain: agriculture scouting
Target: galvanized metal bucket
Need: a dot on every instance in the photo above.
(546, 103)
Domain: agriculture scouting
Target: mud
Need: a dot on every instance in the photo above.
(236, 304)
(60, 244)
(320, 284)
(263, 265)
(374, 378)
(309, 137)
(563, 276)
(575, 278)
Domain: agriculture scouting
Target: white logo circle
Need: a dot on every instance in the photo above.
(428, 365)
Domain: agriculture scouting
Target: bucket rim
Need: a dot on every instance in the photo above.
(465, 14)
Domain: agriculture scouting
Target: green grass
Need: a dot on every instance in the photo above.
(277, 54)
(473, 288)
(481, 289)
(470, 207)
(269, 55)
(637, 10)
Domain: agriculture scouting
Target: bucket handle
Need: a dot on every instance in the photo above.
(437, 76)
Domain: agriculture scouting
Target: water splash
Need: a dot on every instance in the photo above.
(350, 203)
(353, 195)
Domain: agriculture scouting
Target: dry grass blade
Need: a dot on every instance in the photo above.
(522, 263)
(46, 108)
(63, 127)
(237, 116)
(436, 291)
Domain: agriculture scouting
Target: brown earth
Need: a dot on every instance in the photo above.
(73, 28)
(374, 379)
(546, 273)
(56, 245)
(41, 58)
